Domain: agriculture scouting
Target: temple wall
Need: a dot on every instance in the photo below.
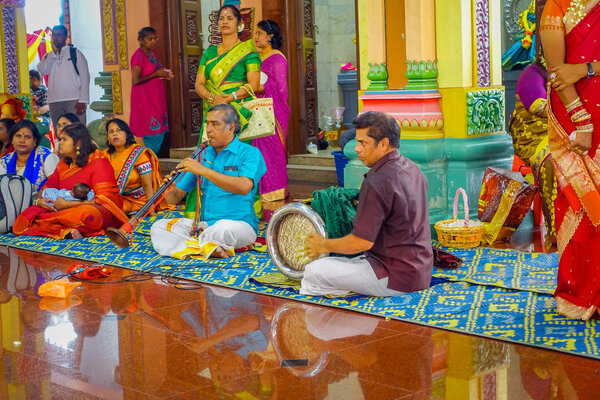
(14, 72)
(336, 26)
(451, 110)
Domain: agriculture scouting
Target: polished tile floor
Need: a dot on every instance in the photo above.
(148, 340)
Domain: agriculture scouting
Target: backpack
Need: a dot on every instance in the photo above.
(73, 57)
(15, 197)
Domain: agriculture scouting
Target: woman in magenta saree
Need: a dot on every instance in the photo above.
(273, 185)
(81, 162)
(570, 31)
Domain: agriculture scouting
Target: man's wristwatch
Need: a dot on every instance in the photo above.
(590, 68)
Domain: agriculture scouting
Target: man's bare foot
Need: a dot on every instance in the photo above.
(75, 234)
(220, 252)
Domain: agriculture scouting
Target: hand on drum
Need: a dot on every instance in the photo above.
(314, 245)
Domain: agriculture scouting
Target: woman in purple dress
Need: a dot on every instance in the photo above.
(273, 83)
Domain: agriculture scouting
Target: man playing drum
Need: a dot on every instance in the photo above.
(390, 229)
(228, 176)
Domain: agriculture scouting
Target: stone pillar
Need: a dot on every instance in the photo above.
(14, 66)
(472, 96)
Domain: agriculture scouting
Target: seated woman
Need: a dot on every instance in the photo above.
(5, 125)
(136, 167)
(81, 162)
(34, 162)
(63, 120)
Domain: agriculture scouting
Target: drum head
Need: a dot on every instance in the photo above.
(291, 340)
(285, 237)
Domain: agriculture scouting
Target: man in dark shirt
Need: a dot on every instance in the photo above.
(391, 227)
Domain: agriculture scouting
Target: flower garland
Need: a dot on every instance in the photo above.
(528, 27)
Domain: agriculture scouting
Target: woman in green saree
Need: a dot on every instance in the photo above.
(224, 73)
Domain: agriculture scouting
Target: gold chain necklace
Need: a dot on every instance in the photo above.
(221, 48)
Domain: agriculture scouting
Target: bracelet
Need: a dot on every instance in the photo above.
(234, 94)
(211, 99)
(36, 201)
(572, 105)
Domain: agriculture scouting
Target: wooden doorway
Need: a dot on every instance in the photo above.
(178, 23)
(298, 28)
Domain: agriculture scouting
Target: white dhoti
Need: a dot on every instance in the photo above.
(171, 237)
(339, 276)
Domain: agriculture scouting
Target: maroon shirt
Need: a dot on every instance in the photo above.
(392, 213)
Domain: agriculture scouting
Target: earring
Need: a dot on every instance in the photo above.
(77, 153)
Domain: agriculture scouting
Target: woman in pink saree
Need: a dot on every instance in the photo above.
(570, 31)
(273, 83)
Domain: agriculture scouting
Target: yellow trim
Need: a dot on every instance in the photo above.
(21, 32)
(117, 93)
(108, 43)
(453, 43)
(538, 106)
(363, 41)
(121, 34)
(252, 68)
(171, 223)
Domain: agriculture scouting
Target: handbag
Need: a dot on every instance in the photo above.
(262, 121)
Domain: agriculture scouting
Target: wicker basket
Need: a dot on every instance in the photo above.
(465, 236)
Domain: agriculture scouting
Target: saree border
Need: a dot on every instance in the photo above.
(135, 153)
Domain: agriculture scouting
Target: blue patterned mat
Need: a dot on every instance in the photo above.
(501, 294)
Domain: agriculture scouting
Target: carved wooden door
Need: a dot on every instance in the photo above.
(179, 26)
(190, 53)
(299, 23)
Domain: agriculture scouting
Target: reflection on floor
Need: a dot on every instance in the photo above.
(146, 339)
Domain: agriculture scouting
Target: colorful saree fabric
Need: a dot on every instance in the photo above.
(577, 204)
(40, 164)
(148, 100)
(529, 130)
(273, 185)
(129, 167)
(89, 219)
(225, 74)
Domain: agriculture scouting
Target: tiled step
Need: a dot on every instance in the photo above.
(312, 174)
(168, 164)
(182, 152)
(302, 168)
(312, 159)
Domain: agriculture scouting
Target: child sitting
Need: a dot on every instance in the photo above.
(80, 192)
